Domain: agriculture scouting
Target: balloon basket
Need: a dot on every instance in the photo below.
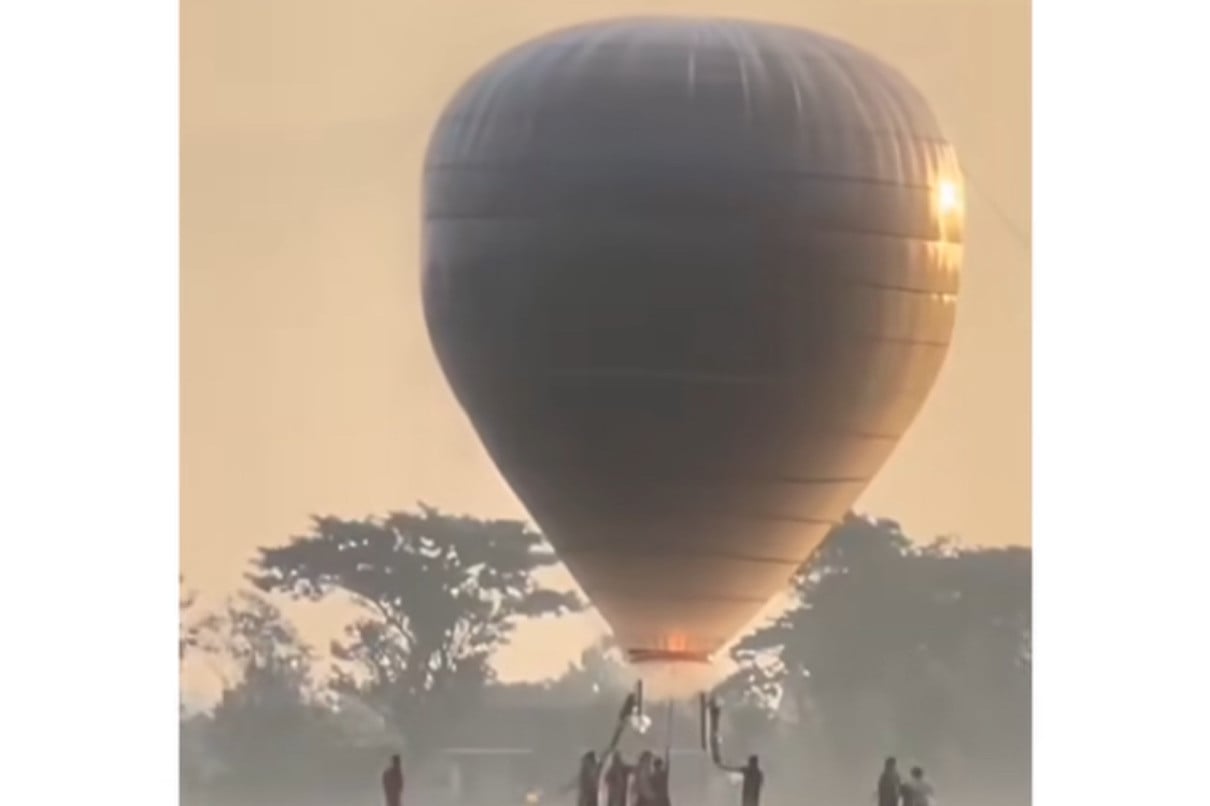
(663, 674)
(653, 656)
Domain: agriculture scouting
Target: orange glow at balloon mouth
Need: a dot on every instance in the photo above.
(666, 656)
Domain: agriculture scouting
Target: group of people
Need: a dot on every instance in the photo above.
(646, 782)
(894, 791)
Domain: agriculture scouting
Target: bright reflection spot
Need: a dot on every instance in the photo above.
(947, 197)
(641, 722)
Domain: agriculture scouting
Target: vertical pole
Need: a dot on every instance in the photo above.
(715, 748)
(668, 743)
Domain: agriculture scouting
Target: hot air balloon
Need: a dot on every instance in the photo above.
(690, 281)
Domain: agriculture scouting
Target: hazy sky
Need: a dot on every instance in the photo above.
(308, 384)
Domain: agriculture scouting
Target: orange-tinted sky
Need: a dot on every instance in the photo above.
(308, 384)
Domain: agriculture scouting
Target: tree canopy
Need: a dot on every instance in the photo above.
(890, 646)
(441, 594)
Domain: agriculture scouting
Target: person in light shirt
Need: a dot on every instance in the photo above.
(918, 791)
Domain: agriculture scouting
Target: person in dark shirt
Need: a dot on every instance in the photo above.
(617, 781)
(644, 780)
(660, 779)
(753, 781)
(889, 784)
(392, 782)
(588, 780)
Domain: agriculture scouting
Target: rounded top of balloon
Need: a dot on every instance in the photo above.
(690, 281)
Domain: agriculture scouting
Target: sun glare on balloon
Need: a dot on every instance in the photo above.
(947, 197)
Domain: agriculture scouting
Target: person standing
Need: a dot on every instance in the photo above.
(617, 781)
(644, 780)
(589, 780)
(917, 791)
(392, 782)
(660, 770)
(889, 784)
(753, 781)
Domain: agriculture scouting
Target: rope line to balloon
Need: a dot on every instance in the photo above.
(1019, 235)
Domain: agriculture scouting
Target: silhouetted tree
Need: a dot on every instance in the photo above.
(892, 647)
(188, 599)
(273, 733)
(587, 697)
(442, 594)
(897, 649)
(192, 626)
(600, 669)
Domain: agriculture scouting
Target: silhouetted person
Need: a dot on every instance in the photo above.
(889, 784)
(754, 780)
(644, 795)
(660, 769)
(392, 782)
(617, 781)
(589, 779)
(917, 791)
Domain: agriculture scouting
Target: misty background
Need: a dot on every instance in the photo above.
(308, 386)
(887, 647)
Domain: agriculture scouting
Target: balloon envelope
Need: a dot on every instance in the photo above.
(691, 281)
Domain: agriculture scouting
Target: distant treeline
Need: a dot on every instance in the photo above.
(891, 648)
